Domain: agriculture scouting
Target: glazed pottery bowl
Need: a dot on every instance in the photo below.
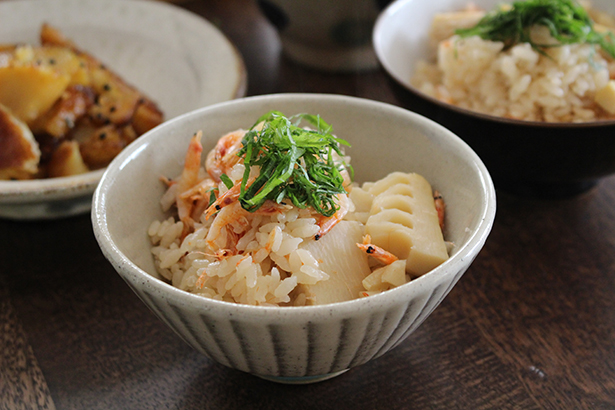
(296, 344)
(527, 158)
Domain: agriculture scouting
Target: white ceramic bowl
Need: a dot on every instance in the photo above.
(296, 344)
(401, 34)
(175, 57)
(524, 157)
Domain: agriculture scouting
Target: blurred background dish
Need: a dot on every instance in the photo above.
(329, 35)
(178, 59)
(529, 158)
(309, 343)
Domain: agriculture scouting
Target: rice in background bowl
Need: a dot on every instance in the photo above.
(296, 344)
(525, 157)
(518, 83)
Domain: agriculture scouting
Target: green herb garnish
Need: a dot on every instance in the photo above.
(295, 163)
(566, 20)
(227, 181)
(212, 197)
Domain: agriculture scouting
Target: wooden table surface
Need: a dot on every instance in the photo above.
(531, 325)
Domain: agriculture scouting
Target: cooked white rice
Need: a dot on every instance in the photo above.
(249, 278)
(518, 83)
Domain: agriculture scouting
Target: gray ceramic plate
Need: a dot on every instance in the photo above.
(178, 59)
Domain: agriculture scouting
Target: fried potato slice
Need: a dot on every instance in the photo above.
(19, 151)
(104, 143)
(147, 116)
(29, 86)
(72, 105)
(66, 161)
(118, 102)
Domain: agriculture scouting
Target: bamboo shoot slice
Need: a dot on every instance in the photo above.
(404, 221)
(339, 256)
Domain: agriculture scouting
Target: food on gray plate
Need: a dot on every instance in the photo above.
(534, 60)
(68, 113)
(273, 218)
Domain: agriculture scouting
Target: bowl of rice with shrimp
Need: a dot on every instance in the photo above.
(529, 84)
(294, 236)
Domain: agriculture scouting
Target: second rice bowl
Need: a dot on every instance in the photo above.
(527, 117)
(297, 344)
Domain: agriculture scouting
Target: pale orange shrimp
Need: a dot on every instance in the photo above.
(220, 234)
(327, 223)
(270, 207)
(232, 195)
(199, 190)
(189, 178)
(440, 206)
(218, 255)
(168, 182)
(229, 197)
(223, 157)
(199, 197)
(376, 252)
(200, 282)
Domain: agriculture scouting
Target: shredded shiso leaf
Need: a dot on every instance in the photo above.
(567, 21)
(295, 163)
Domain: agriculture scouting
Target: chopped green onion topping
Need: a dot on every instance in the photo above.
(212, 196)
(227, 181)
(295, 163)
(567, 21)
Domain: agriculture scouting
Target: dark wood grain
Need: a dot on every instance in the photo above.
(22, 384)
(531, 325)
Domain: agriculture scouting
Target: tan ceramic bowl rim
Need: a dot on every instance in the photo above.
(49, 188)
(449, 268)
(383, 23)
